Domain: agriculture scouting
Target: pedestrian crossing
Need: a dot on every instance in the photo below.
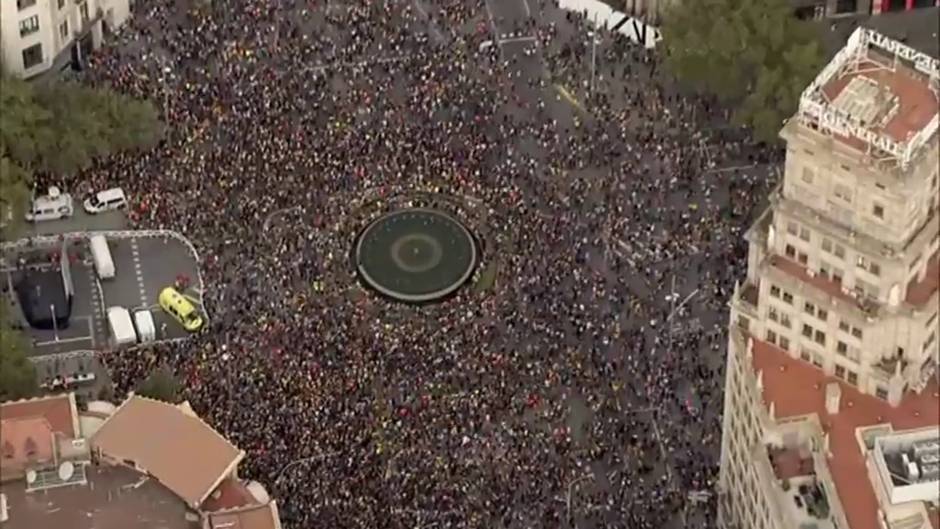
(135, 250)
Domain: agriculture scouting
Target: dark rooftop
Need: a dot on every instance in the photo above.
(112, 500)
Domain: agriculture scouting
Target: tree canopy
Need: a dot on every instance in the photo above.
(161, 384)
(17, 373)
(60, 127)
(753, 54)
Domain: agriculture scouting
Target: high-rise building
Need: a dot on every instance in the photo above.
(38, 35)
(831, 406)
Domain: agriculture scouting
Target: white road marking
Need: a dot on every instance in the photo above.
(515, 39)
(65, 340)
(137, 271)
(489, 12)
(431, 25)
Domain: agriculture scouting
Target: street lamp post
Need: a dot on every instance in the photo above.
(317, 457)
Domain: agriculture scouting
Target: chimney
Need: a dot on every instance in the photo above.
(833, 398)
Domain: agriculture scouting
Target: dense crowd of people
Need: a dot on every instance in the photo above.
(582, 389)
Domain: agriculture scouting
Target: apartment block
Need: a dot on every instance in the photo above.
(39, 35)
(831, 391)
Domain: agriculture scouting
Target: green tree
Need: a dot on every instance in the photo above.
(17, 374)
(753, 54)
(161, 384)
(60, 127)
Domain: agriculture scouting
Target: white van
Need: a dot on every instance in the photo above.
(143, 321)
(105, 200)
(122, 328)
(53, 206)
(101, 254)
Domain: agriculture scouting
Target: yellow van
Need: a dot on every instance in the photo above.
(176, 305)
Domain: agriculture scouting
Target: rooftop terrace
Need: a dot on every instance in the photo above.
(797, 388)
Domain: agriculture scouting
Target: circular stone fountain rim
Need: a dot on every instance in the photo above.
(417, 298)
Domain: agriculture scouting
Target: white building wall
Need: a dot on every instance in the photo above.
(60, 23)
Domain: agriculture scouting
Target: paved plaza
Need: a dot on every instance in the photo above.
(580, 389)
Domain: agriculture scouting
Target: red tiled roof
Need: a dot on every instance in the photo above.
(57, 410)
(232, 493)
(797, 388)
(917, 103)
(919, 293)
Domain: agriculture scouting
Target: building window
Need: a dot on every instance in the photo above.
(809, 308)
(822, 314)
(771, 337)
(827, 245)
(843, 192)
(744, 322)
(864, 288)
(772, 314)
(817, 360)
(775, 291)
(807, 331)
(878, 210)
(840, 372)
(64, 30)
(839, 251)
(23, 4)
(874, 269)
(785, 320)
(808, 175)
(61, 4)
(32, 56)
(820, 338)
(784, 343)
(792, 228)
(842, 348)
(788, 298)
(83, 9)
(837, 275)
(802, 258)
(790, 251)
(881, 393)
(30, 25)
(852, 378)
(843, 326)
(856, 332)
(804, 354)
(804, 234)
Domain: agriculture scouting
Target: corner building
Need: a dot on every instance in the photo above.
(831, 398)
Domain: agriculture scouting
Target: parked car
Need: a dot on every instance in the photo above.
(53, 206)
(106, 200)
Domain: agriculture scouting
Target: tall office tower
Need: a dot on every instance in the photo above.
(831, 398)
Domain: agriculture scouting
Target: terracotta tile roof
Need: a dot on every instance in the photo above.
(917, 103)
(798, 388)
(19, 437)
(232, 493)
(58, 410)
(171, 443)
(256, 517)
(919, 293)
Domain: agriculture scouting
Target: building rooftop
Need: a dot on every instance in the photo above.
(797, 388)
(59, 410)
(111, 500)
(171, 443)
(877, 95)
